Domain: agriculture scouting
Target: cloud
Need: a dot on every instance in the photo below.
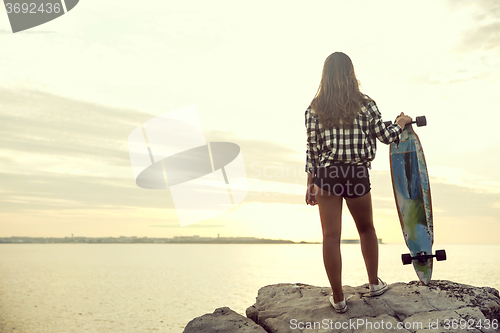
(459, 201)
(59, 154)
(486, 37)
(452, 200)
(56, 148)
(485, 33)
(37, 122)
(467, 49)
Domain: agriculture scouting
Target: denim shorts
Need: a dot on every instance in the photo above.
(344, 179)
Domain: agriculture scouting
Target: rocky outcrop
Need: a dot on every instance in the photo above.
(223, 320)
(441, 306)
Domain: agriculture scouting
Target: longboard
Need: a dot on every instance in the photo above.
(412, 193)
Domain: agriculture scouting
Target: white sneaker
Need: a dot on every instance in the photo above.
(378, 289)
(341, 306)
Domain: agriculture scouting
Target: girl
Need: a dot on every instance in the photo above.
(342, 127)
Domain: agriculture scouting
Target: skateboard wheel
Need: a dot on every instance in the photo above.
(421, 121)
(406, 258)
(440, 255)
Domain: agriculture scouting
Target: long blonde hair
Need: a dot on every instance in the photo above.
(338, 100)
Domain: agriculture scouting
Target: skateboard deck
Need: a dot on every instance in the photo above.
(410, 182)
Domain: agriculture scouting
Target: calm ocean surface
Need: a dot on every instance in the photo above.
(161, 287)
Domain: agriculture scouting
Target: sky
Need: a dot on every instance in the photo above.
(73, 89)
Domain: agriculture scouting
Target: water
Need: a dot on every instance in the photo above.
(161, 287)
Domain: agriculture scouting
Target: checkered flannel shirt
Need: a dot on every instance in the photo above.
(356, 145)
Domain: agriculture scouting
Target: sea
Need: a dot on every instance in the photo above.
(161, 287)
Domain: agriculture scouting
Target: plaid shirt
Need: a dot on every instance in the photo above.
(356, 145)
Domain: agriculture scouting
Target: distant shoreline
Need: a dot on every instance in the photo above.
(152, 240)
(146, 240)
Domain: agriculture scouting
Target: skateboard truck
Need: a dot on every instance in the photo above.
(420, 121)
(422, 257)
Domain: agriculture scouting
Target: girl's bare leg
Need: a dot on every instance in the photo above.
(330, 211)
(361, 211)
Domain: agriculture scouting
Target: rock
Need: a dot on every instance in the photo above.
(441, 306)
(223, 320)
